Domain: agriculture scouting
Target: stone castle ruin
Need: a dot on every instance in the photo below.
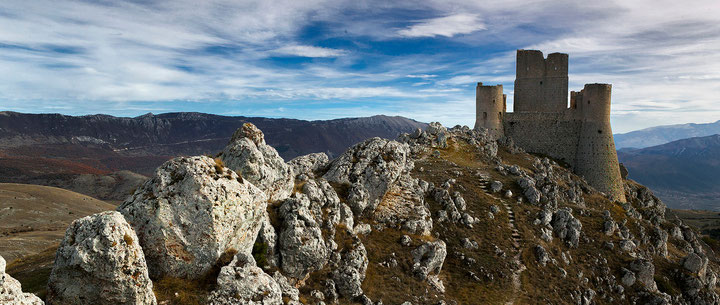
(542, 122)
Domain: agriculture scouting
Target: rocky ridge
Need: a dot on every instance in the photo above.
(412, 221)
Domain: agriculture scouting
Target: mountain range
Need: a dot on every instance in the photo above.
(664, 134)
(68, 151)
(684, 173)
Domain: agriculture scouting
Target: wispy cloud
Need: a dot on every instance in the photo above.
(309, 51)
(447, 26)
(322, 59)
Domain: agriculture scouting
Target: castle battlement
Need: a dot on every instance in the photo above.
(541, 122)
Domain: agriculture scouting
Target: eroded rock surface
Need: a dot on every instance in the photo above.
(191, 212)
(11, 291)
(100, 262)
(242, 282)
(254, 160)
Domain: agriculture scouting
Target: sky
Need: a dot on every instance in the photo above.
(316, 59)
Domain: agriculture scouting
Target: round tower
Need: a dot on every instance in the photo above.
(596, 157)
(489, 108)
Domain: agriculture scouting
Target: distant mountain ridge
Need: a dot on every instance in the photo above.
(684, 173)
(53, 149)
(664, 134)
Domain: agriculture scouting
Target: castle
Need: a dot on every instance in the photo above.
(542, 122)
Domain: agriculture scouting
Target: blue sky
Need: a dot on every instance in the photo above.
(327, 59)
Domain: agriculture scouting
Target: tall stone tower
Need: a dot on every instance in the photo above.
(542, 123)
(490, 108)
(596, 158)
(541, 85)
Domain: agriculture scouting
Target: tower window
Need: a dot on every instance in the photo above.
(493, 101)
(484, 115)
(541, 82)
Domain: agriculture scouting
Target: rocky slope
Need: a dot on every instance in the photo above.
(684, 173)
(438, 217)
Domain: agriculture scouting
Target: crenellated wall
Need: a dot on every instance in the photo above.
(580, 136)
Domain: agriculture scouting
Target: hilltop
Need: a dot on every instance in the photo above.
(439, 216)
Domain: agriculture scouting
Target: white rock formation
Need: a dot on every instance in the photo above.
(242, 282)
(308, 164)
(100, 262)
(11, 291)
(350, 273)
(301, 243)
(370, 168)
(191, 212)
(249, 156)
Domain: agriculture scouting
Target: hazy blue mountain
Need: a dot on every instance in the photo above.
(684, 173)
(664, 134)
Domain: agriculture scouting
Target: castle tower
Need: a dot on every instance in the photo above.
(596, 158)
(490, 108)
(541, 85)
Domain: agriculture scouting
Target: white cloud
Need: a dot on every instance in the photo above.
(447, 26)
(309, 51)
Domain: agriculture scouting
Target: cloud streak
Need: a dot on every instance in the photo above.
(323, 59)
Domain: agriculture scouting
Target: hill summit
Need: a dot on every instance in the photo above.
(440, 216)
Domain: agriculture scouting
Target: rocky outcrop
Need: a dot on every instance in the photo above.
(302, 247)
(349, 275)
(11, 291)
(242, 282)
(369, 168)
(249, 156)
(309, 164)
(191, 212)
(404, 207)
(566, 227)
(100, 262)
(428, 259)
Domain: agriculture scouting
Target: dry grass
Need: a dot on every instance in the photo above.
(33, 271)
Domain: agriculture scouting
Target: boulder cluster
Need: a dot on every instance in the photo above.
(266, 231)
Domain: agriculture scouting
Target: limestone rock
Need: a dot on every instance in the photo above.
(695, 264)
(429, 258)
(302, 248)
(370, 168)
(11, 290)
(288, 290)
(404, 206)
(496, 186)
(566, 226)
(100, 262)
(242, 282)
(249, 156)
(645, 273)
(191, 212)
(529, 190)
(542, 255)
(350, 273)
(308, 164)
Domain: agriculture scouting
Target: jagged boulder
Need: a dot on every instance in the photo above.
(301, 243)
(370, 168)
(566, 226)
(190, 213)
(242, 282)
(100, 262)
(696, 264)
(644, 273)
(404, 206)
(11, 290)
(249, 156)
(349, 275)
(429, 258)
(527, 184)
(309, 164)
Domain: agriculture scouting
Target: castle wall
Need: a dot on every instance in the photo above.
(541, 85)
(552, 134)
(490, 108)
